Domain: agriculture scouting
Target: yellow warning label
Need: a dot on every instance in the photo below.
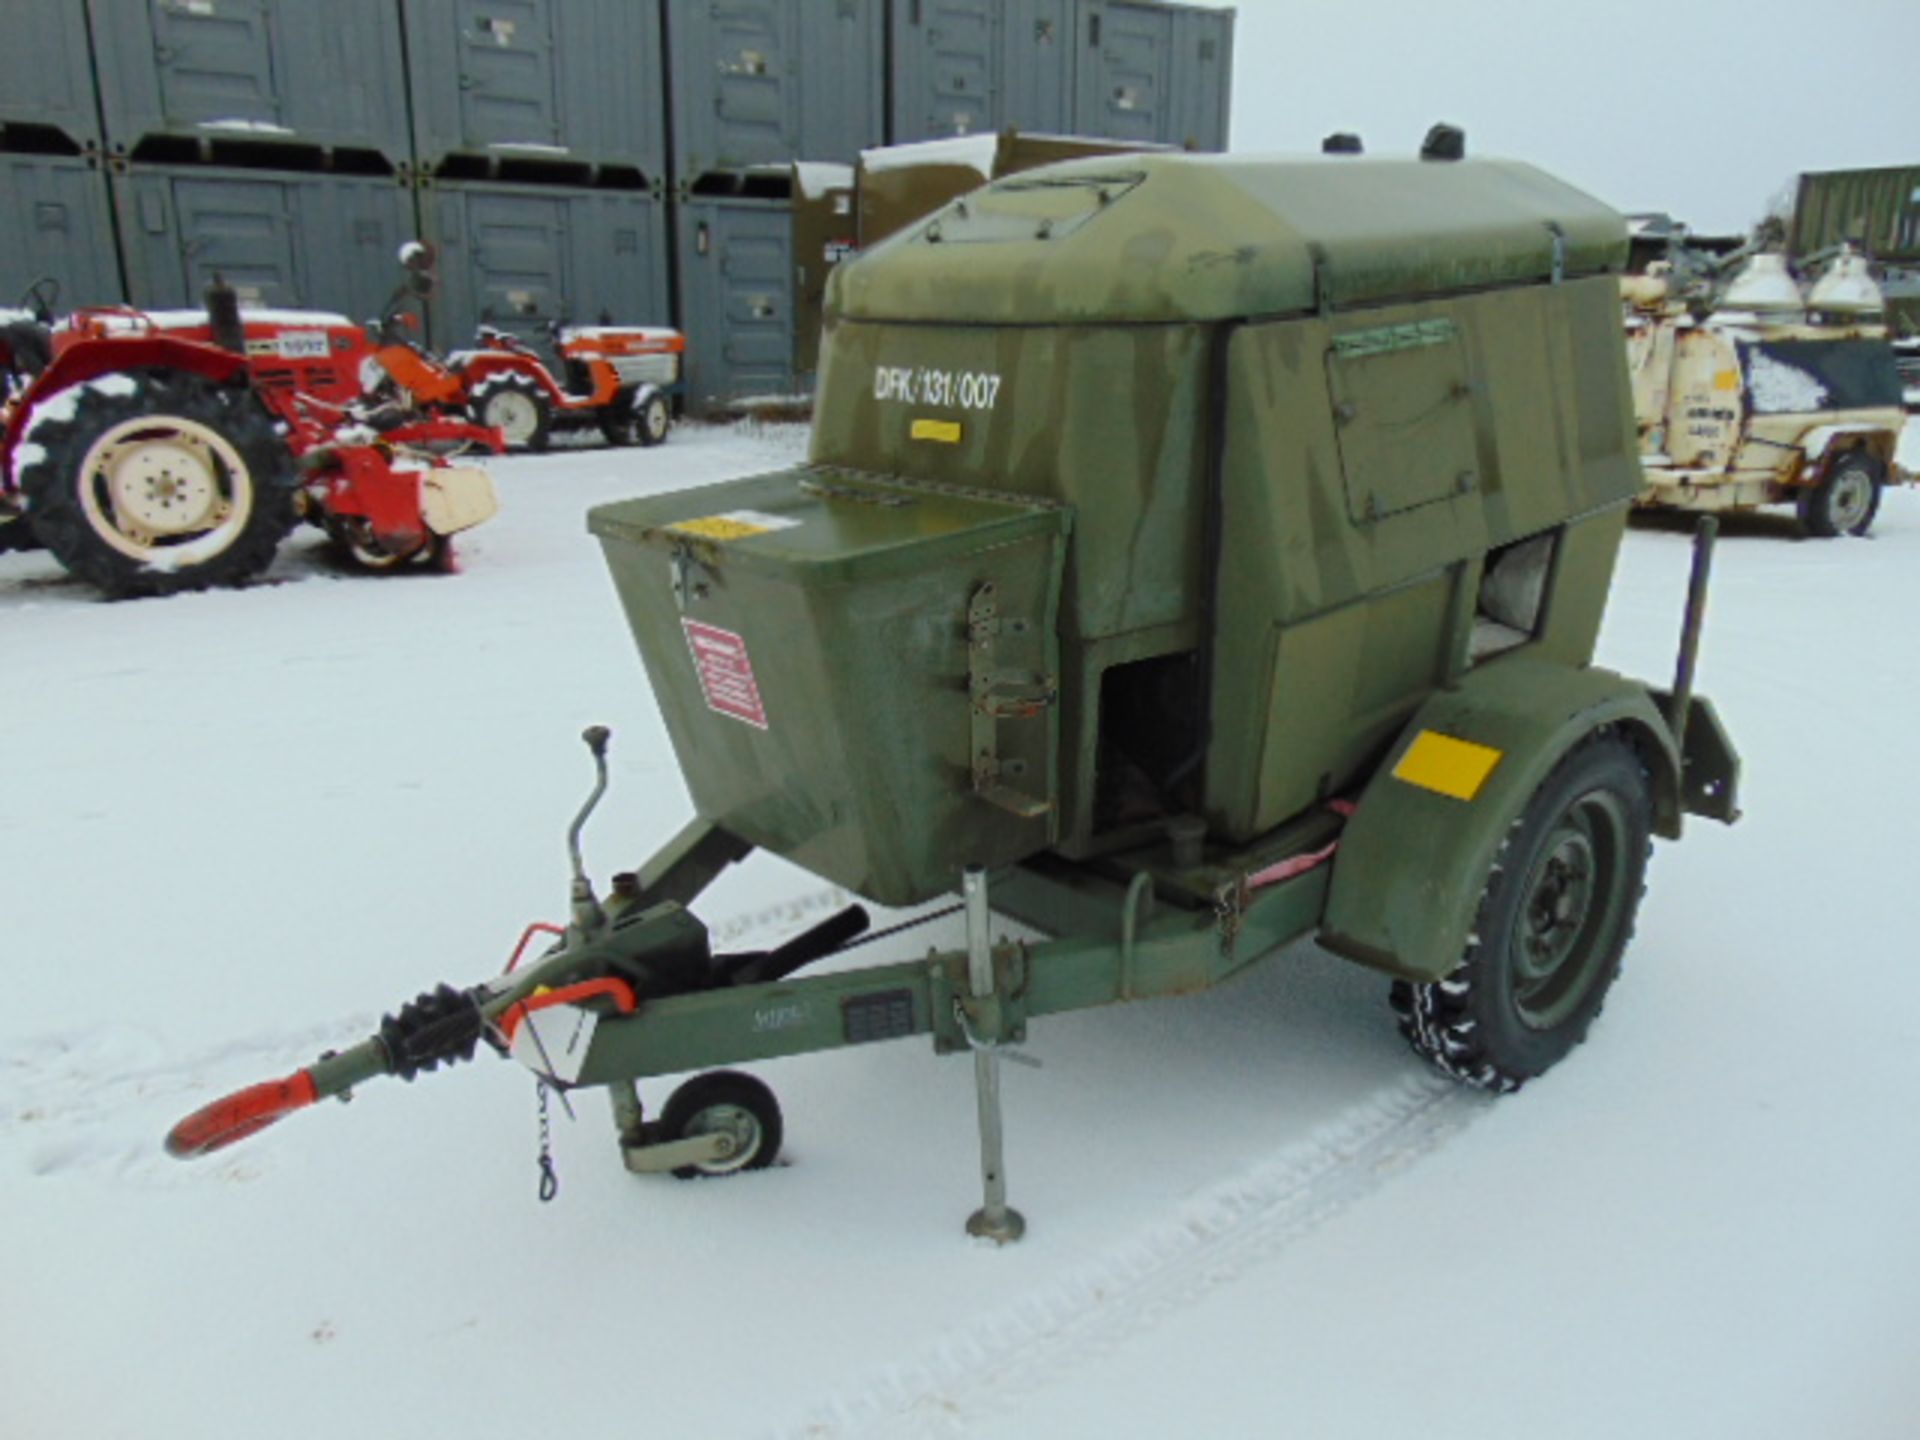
(947, 432)
(1726, 379)
(719, 527)
(1457, 768)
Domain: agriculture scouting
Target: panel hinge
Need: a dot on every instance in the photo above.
(995, 695)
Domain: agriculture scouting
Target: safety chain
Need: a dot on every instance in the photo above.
(549, 1177)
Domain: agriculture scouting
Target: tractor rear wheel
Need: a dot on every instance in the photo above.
(516, 406)
(1846, 499)
(1554, 918)
(154, 481)
(728, 1102)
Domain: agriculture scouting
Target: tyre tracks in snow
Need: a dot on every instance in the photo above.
(1212, 1240)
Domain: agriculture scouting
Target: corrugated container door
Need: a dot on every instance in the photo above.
(46, 71)
(214, 62)
(736, 299)
(1124, 75)
(1202, 79)
(575, 81)
(839, 49)
(961, 67)
(945, 55)
(54, 223)
(313, 241)
(734, 100)
(522, 257)
(1038, 54)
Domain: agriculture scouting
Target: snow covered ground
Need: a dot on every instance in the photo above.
(235, 827)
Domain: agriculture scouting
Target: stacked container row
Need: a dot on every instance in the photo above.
(1157, 74)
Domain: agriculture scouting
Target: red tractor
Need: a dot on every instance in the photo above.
(153, 452)
(617, 377)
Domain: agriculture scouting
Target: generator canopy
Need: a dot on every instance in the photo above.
(1184, 238)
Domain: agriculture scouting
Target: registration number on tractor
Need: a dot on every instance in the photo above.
(962, 389)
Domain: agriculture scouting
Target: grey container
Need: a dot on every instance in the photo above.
(965, 66)
(325, 242)
(46, 77)
(55, 223)
(762, 82)
(1158, 73)
(736, 280)
(515, 85)
(226, 76)
(521, 257)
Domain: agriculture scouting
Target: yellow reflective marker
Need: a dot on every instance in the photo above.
(1456, 768)
(947, 432)
(1726, 379)
(718, 527)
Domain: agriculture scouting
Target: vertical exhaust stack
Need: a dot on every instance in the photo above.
(223, 314)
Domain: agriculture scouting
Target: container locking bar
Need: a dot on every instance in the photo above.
(997, 695)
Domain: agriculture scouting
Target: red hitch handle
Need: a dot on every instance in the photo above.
(236, 1116)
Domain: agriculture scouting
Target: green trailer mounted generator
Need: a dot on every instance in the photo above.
(1195, 553)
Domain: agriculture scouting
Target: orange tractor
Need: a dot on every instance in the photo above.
(617, 377)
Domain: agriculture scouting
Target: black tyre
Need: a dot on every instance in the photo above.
(1846, 499)
(17, 534)
(516, 406)
(160, 481)
(730, 1102)
(641, 418)
(1554, 919)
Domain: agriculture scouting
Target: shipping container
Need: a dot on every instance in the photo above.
(309, 241)
(825, 232)
(1153, 72)
(55, 224)
(507, 89)
(47, 100)
(1877, 210)
(736, 290)
(232, 80)
(759, 82)
(523, 258)
(960, 67)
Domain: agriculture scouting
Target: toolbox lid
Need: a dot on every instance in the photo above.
(826, 525)
(1168, 238)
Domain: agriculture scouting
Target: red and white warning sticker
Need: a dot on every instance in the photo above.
(726, 673)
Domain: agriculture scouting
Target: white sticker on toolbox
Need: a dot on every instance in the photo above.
(726, 672)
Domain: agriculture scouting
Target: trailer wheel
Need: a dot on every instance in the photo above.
(1553, 920)
(160, 481)
(516, 406)
(1846, 500)
(731, 1102)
